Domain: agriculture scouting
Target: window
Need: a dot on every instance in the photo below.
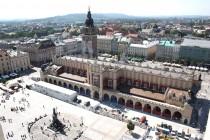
(129, 82)
(110, 84)
(137, 83)
(96, 80)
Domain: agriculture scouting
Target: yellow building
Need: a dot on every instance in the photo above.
(19, 61)
(13, 61)
(5, 66)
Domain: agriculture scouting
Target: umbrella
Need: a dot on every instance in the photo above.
(193, 67)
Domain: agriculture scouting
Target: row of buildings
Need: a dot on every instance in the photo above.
(191, 49)
(13, 61)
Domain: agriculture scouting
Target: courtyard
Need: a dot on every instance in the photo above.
(29, 105)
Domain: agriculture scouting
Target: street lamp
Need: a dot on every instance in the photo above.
(82, 120)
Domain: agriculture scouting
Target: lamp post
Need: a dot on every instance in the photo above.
(82, 120)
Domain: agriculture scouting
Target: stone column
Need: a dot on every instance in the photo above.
(115, 81)
(90, 75)
(101, 84)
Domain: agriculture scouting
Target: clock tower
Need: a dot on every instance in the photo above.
(89, 38)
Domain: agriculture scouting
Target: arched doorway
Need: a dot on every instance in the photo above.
(55, 82)
(147, 108)
(185, 121)
(82, 91)
(65, 85)
(76, 89)
(96, 95)
(138, 106)
(121, 101)
(45, 80)
(166, 114)
(87, 92)
(156, 111)
(177, 116)
(106, 98)
(59, 83)
(70, 86)
(129, 104)
(114, 99)
(50, 81)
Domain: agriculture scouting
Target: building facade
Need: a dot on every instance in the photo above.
(161, 93)
(195, 50)
(68, 47)
(146, 49)
(5, 67)
(104, 43)
(13, 61)
(19, 61)
(167, 50)
(40, 51)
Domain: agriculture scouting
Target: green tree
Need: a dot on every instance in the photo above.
(130, 126)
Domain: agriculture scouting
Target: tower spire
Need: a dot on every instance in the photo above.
(89, 21)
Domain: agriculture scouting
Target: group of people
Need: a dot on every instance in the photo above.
(9, 134)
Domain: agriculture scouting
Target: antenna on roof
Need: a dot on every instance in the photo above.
(89, 8)
(89, 5)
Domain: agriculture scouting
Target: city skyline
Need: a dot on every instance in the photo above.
(30, 9)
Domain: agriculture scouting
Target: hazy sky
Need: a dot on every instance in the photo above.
(26, 9)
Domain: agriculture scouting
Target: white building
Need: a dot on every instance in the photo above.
(68, 46)
(146, 49)
(55, 91)
(123, 43)
(104, 43)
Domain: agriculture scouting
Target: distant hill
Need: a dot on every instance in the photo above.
(78, 18)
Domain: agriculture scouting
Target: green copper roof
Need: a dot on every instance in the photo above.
(167, 43)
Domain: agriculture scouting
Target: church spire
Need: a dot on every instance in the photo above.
(89, 21)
